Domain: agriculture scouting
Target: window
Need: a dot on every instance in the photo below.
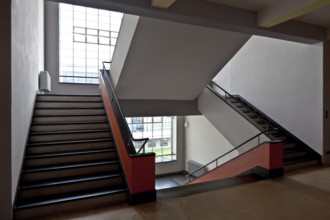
(159, 130)
(88, 36)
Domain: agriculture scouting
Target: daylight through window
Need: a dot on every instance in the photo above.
(160, 131)
(88, 36)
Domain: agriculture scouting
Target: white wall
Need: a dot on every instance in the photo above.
(52, 55)
(27, 44)
(284, 80)
(203, 142)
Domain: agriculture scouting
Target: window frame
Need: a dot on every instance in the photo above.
(78, 65)
(158, 139)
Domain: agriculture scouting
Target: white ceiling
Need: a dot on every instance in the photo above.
(319, 17)
(174, 61)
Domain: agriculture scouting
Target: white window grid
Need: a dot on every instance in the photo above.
(87, 37)
(158, 130)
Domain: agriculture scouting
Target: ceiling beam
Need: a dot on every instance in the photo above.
(163, 4)
(212, 15)
(285, 10)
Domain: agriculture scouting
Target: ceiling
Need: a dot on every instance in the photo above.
(253, 5)
(319, 16)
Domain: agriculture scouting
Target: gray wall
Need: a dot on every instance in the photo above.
(52, 55)
(5, 110)
(27, 43)
(284, 80)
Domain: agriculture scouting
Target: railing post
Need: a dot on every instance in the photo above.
(258, 139)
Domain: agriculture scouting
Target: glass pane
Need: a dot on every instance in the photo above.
(91, 39)
(92, 24)
(104, 40)
(79, 30)
(104, 12)
(91, 32)
(104, 33)
(79, 38)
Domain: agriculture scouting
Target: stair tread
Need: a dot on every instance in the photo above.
(68, 101)
(71, 153)
(48, 108)
(60, 95)
(69, 142)
(69, 132)
(78, 115)
(63, 181)
(299, 159)
(51, 200)
(69, 166)
(68, 123)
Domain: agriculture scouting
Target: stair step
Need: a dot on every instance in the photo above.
(71, 111)
(69, 126)
(53, 97)
(69, 118)
(69, 157)
(69, 170)
(73, 202)
(299, 163)
(294, 153)
(68, 135)
(65, 185)
(69, 146)
(68, 104)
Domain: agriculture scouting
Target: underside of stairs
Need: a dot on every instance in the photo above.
(70, 162)
(296, 154)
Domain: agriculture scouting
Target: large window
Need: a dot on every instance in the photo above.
(161, 134)
(88, 36)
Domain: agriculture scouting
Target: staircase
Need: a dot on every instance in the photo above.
(296, 154)
(70, 161)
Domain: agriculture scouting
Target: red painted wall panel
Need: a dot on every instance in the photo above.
(139, 171)
(267, 155)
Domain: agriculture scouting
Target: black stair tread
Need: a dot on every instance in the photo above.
(68, 123)
(299, 159)
(68, 166)
(68, 197)
(69, 95)
(69, 132)
(79, 115)
(74, 108)
(71, 153)
(69, 101)
(69, 142)
(293, 150)
(64, 181)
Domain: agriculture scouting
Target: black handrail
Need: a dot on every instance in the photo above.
(225, 154)
(125, 131)
(227, 94)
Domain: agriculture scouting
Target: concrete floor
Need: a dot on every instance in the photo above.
(300, 195)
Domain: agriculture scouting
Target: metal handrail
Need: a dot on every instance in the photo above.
(225, 154)
(227, 94)
(126, 131)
